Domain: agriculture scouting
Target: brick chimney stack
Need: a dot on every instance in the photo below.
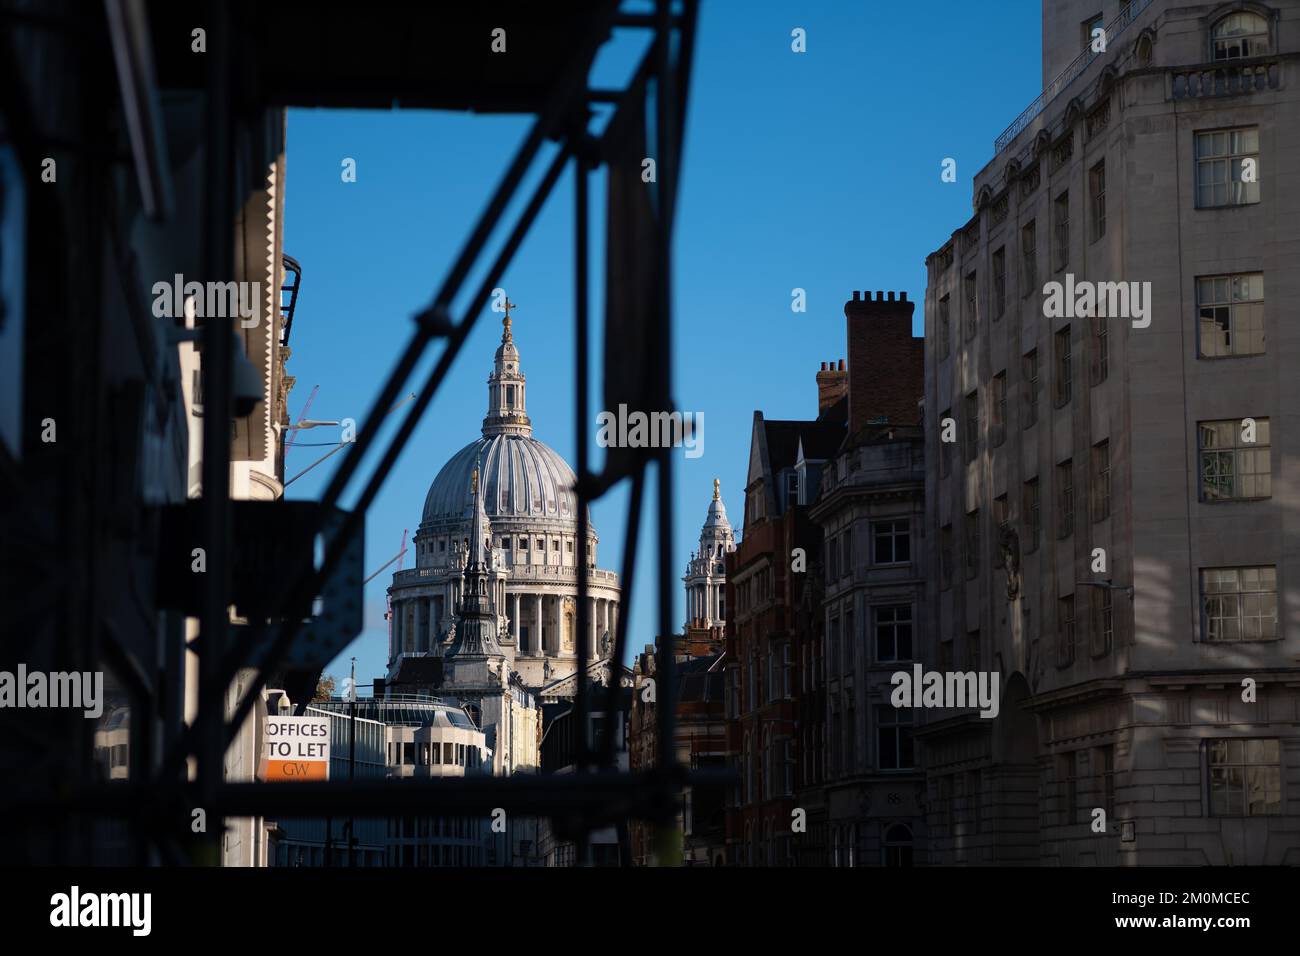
(886, 363)
(832, 385)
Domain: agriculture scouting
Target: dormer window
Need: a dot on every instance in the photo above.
(1239, 35)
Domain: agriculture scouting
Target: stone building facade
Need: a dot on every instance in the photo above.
(871, 513)
(774, 650)
(1115, 526)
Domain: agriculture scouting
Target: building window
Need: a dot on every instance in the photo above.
(999, 282)
(1230, 314)
(972, 323)
(1239, 604)
(1097, 199)
(973, 650)
(1029, 256)
(1227, 167)
(1064, 379)
(1061, 219)
(891, 541)
(1031, 387)
(1078, 802)
(1001, 520)
(1065, 499)
(972, 543)
(834, 659)
(972, 425)
(945, 327)
(1094, 22)
(1100, 483)
(846, 543)
(1245, 777)
(945, 556)
(1102, 634)
(998, 422)
(1100, 349)
(849, 650)
(1065, 631)
(1239, 35)
(898, 846)
(832, 560)
(1033, 519)
(1233, 469)
(893, 627)
(945, 656)
(1105, 758)
(945, 447)
(894, 737)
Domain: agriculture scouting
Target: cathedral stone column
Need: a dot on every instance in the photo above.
(539, 648)
(399, 625)
(514, 623)
(593, 606)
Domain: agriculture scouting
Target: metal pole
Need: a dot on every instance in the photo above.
(583, 623)
(352, 762)
(218, 343)
(664, 104)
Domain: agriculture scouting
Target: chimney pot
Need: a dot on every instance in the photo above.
(856, 295)
(891, 297)
(880, 296)
(903, 296)
(841, 365)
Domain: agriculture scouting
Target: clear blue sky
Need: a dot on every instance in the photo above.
(817, 170)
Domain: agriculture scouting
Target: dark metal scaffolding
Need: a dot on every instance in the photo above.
(647, 120)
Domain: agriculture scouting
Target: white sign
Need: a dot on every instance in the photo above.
(297, 748)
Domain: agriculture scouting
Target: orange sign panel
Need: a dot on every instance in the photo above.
(297, 770)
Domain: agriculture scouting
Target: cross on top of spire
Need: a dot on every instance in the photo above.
(506, 321)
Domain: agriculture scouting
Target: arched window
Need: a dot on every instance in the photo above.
(1238, 35)
(748, 769)
(768, 775)
(898, 845)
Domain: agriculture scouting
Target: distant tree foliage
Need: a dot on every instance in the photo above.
(324, 688)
